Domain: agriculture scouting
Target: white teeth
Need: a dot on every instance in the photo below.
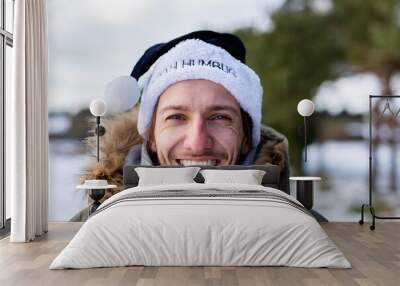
(190, 162)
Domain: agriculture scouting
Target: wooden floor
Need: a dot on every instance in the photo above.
(374, 255)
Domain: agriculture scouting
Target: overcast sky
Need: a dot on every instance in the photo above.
(92, 42)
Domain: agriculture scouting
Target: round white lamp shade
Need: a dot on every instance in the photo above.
(122, 94)
(98, 107)
(305, 107)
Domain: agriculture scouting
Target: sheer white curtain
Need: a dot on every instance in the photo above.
(26, 123)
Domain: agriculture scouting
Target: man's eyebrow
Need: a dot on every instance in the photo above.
(174, 107)
(186, 108)
(224, 107)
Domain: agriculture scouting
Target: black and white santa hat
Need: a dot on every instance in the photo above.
(218, 57)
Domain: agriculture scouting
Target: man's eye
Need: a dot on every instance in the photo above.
(176, 117)
(221, 117)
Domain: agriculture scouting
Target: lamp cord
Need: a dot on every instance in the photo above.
(305, 139)
(98, 137)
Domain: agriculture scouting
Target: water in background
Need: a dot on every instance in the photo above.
(67, 160)
(343, 165)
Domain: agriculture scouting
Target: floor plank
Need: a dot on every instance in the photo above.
(374, 255)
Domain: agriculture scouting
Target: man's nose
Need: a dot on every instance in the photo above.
(197, 137)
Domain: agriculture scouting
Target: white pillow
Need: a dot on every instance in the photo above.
(249, 177)
(162, 176)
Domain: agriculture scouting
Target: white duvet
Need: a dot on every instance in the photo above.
(207, 230)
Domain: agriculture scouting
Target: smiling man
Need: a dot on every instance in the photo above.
(198, 122)
(200, 104)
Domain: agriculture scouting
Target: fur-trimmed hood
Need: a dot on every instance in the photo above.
(121, 135)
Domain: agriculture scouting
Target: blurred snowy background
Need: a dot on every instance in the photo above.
(91, 42)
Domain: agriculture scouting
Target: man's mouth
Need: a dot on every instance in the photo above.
(183, 162)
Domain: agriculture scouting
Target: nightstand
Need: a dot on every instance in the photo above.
(96, 190)
(304, 190)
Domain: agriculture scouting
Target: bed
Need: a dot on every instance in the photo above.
(201, 223)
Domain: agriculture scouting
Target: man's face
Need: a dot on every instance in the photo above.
(198, 122)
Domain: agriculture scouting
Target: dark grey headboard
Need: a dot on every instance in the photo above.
(270, 179)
